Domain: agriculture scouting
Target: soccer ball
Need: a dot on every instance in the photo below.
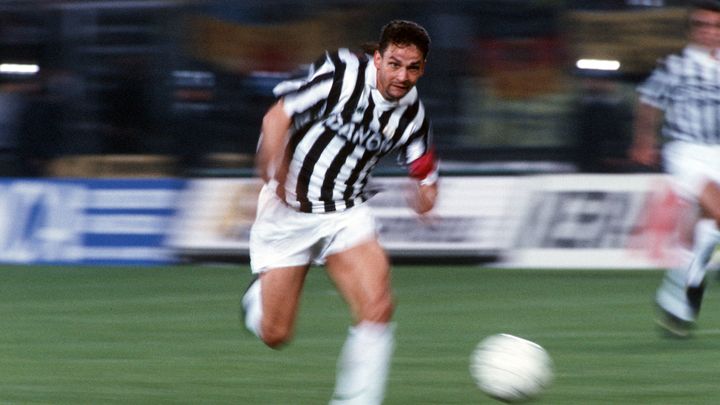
(511, 369)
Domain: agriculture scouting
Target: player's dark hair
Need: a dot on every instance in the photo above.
(711, 5)
(403, 32)
(369, 47)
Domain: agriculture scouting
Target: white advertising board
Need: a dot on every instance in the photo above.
(551, 221)
(475, 217)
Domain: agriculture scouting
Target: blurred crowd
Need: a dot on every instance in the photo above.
(185, 83)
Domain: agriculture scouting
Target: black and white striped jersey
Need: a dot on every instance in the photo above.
(341, 127)
(687, 88)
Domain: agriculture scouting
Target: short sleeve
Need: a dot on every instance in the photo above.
(657, 89)
(302, 95)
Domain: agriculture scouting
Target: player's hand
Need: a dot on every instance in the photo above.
(429, 219)
(421, 198)
(646, 155)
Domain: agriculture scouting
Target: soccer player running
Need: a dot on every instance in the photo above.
(319, 145)
(682, 97)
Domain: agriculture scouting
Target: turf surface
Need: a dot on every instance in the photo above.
(170, 335)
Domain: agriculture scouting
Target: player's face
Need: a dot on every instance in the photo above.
(705, 28)
(398, 69)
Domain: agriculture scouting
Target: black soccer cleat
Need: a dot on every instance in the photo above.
(695, 296)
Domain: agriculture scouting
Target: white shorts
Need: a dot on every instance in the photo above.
(692, 166)
(284, 237)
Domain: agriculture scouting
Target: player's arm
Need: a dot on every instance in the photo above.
(425, 171)
(295, 98)
(644, 149)
(275, 126)
(425, 198)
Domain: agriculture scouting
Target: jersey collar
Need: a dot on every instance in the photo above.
(708, 57)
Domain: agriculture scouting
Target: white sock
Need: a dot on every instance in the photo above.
(672, 294)
(364, 364)
(707, 237)
(253, 308)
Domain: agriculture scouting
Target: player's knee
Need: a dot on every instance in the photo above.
(379, 309)
(276, 336)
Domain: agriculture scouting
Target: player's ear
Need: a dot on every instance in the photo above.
(377, 59)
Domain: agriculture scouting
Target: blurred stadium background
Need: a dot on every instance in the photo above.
(185, 83)
(127, 132)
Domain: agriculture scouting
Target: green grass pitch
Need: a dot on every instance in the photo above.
(171, 335)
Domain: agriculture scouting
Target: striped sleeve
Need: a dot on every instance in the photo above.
(657, 90)
(418, 135)
(308, 94)
(418, 154)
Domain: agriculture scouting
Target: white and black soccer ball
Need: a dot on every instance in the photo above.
(511, 369)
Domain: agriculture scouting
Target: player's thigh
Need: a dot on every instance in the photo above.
(281, 290)
(692, 166)
(710, 201)
(696, 172)
(362, 275)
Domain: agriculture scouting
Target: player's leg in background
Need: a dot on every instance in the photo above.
(708, 238)
(271, 303)
(681, 292)
(362, 275)
(251, 306)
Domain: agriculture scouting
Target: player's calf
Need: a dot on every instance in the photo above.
(274, 334)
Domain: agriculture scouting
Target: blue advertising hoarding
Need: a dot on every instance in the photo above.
(87, 221)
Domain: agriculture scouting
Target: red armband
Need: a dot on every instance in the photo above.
(424, 166)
